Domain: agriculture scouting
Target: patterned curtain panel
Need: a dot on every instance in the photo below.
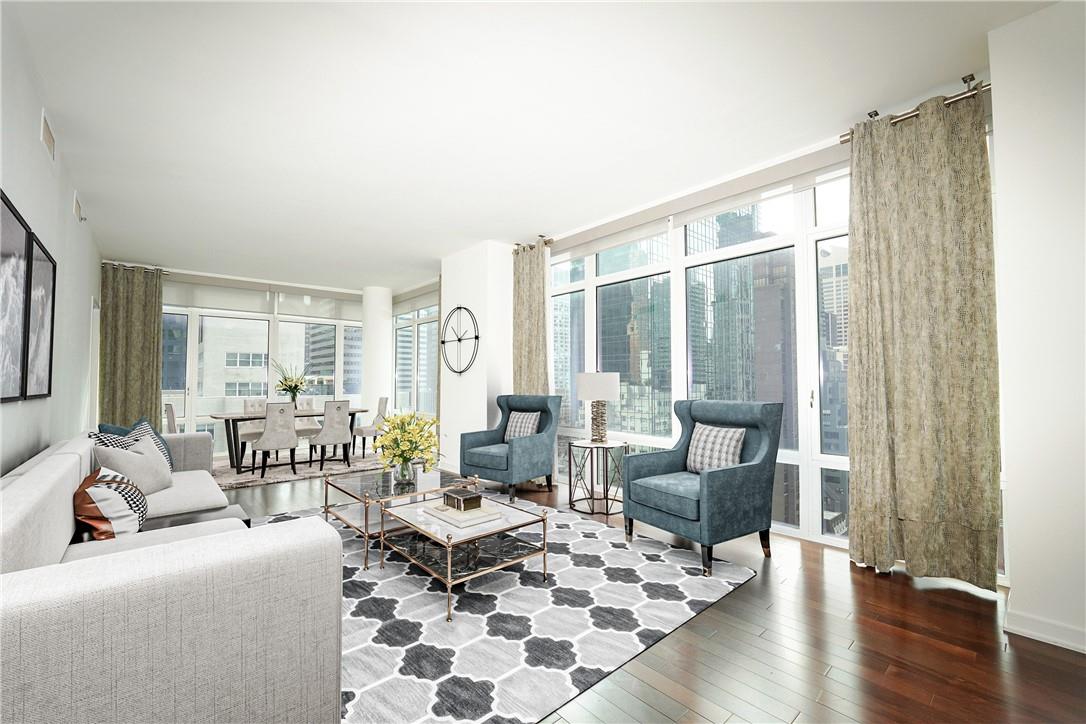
(530, 320)
(923, 396)
(130, 368)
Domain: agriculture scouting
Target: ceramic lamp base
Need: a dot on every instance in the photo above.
(599, 421)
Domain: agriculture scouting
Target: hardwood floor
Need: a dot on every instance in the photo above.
(814, 638)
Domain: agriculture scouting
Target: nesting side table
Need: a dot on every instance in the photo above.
(595, 475)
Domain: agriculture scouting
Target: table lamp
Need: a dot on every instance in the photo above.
(599, 387)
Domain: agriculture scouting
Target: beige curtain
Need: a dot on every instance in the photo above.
(530, 376)
(130, 367)
(922, 380)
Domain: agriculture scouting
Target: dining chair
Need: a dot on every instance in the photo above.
(278, 434)
(307, 427)
(249, 432)
(370, 430)
(171, 419)
(336, 430)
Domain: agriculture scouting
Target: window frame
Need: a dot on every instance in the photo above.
(190, 420)
(414, 320)
(807, 456)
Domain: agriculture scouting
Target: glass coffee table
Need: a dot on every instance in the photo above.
(366, 491)
(453, 554)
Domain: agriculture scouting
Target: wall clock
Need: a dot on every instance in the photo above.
(459, 340)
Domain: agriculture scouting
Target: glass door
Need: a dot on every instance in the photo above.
(175, 368)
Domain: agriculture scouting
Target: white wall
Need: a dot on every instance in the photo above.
(1038, 167)
(42, 192)
(481, 279)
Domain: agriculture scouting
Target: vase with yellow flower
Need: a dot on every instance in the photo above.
(406, 441)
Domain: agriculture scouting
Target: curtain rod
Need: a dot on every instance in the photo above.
(129, 265)
(547, 241)
(949, 100)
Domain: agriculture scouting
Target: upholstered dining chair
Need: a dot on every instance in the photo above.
(336, 430)
(520, 448)
(171, 419)
(278, 434)
(249, 432)
(370, 430)
(711, 503)
(307, 427)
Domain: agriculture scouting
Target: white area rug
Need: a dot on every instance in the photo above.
(228, 478)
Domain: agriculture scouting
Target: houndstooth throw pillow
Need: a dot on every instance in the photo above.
(521, 424)
(713, 447)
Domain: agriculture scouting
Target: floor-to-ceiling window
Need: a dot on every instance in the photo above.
(220, 344)
(742, 299)
(634, 339)
(415, 345)
(226, 374)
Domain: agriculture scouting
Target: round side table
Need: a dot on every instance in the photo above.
(595, 475)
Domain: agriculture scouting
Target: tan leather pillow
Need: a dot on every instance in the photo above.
(109, 505)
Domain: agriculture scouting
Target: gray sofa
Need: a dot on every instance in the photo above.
(209, 621)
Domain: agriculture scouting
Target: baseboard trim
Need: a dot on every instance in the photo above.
(1046, 630)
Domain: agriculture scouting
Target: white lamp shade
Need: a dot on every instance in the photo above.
(597, 386)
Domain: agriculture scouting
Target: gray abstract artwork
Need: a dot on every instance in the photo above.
(40, 338)
(12, 303)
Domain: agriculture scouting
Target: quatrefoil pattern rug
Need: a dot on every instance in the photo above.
(518, 647)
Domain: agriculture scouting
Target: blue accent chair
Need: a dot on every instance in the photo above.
(488, 455)
(715, 505)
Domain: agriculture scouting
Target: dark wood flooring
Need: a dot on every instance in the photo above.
(814, 638)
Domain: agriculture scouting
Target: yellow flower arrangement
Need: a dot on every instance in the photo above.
(403, 439)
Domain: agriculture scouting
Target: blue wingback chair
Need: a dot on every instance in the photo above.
(488, 455)
(715, 505)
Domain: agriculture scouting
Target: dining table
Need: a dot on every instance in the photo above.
(231, 420)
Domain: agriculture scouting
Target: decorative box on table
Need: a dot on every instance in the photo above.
(462, 499)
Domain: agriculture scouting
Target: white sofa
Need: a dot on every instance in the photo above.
(208, 622)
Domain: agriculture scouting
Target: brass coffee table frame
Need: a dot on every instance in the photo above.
(366, 501)
(447, 543)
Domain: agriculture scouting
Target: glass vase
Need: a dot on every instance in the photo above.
(405, 473)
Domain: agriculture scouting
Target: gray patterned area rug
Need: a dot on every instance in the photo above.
(518, 647)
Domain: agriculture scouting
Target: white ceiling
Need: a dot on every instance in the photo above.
(348, 145)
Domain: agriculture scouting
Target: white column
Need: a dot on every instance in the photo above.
(481, 279)
(376, 347)
(1037, 151)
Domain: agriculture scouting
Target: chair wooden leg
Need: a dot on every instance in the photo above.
(706, 560)
(550, 484)
(354, 444)
(629, 528)
(276, 456)
(363, 447)
(346, 455)
(293, 469)
(513, 493)
(763, 536)
(311, 447)
(242, 455)
(252, 468)
(263, 462)
(324, 450)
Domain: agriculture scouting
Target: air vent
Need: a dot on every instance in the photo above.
(47, 137)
